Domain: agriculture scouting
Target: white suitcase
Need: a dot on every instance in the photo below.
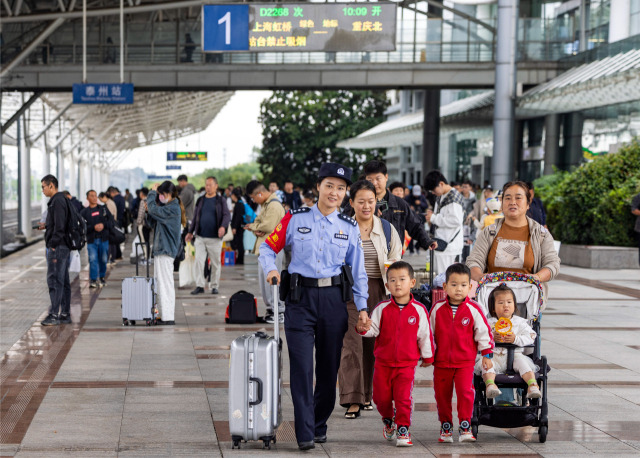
(255, 383)
(139, 299)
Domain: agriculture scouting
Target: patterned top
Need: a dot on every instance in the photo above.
(371, 264)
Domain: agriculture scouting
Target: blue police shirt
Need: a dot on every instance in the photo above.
(320, 245)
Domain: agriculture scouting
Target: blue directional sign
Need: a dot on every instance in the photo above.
(174, 167)
(225, 28)
(103, 93)
(159, 177)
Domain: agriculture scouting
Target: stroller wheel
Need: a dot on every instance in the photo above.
(542, 433)
(474, 430)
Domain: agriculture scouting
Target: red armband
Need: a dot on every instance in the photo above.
(278, 238)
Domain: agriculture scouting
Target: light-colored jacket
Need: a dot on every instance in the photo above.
(271, 213)
(544, 252)
(380, 244)
(111, 206)
(449, 221)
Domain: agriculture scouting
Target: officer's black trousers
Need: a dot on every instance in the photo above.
(320, 318)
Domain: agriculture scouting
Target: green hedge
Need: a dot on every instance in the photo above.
(592, 204)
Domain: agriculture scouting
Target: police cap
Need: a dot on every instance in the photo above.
(332, 169)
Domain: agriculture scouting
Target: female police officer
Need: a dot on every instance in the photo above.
(323, 243)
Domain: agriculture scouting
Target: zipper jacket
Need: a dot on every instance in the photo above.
(459, 339)
(403, 336)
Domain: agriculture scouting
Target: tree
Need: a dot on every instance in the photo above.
(301, 129)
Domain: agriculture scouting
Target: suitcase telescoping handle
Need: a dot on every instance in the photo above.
(276, 300)
(431, 254)
(138, 258)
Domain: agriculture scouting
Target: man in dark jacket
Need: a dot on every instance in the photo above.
(57, 253)
(536, 208)
(98, 219)
(75, 202)
(120, 207)
(393, 208)
(292, 198)
(210, 222)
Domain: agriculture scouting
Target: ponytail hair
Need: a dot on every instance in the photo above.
(170, 188)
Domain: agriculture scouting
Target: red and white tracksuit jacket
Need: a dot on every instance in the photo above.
(402, 338)
(458, 340)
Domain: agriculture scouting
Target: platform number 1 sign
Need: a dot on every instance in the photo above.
(225, 28)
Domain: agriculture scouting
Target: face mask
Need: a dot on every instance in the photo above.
(163, 199)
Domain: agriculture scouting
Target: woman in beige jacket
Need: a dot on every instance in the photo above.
(355, 377)
(516, 243)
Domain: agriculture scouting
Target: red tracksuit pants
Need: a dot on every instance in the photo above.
(394, 385)
(443, 381)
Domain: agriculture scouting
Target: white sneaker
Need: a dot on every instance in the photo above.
(534, 392)
(493, 391)
(465, 432)
(403, 437)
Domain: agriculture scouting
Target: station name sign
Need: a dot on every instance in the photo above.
(187, 156)
(111, 94)
(328, 27)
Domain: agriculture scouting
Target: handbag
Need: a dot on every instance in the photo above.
(442, 245)
(228, 236)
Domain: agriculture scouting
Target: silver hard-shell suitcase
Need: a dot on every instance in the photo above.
(139, 298)
(255, 380)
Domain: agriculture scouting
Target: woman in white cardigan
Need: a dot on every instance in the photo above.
(355, 377)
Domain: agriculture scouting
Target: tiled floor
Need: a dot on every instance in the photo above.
(96, 388)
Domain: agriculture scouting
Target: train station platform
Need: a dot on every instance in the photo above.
(95, 388)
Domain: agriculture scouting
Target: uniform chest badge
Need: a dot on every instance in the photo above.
(412, 320)
(304, 230)
(465, 321)
(341, 236)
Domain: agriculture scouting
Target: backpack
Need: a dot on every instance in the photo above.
(242, 309)
(386, 227)
(249, 215)
(76, 236)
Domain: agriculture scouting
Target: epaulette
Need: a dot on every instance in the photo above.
(300, 210)
(348, 219)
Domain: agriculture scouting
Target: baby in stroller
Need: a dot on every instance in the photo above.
(502, 303)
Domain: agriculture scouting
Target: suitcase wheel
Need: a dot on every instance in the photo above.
(125, 322)
(148, 322)
(235, 444)
(266, 444)
(133, 322)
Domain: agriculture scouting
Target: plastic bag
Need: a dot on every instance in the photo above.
(74, 261)
(249, 240)
(186, 272)
(133, 248)
(189, 251)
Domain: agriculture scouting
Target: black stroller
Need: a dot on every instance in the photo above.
(523, 412)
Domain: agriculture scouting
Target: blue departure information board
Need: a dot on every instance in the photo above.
(329, 27)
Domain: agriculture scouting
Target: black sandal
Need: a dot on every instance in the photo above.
(352, 415)
(367, 406)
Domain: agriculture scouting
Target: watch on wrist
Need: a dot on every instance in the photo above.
(489, 356)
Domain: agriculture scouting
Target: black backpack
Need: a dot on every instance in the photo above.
(76, 237)
(242, 309)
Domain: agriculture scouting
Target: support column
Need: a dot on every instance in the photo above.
(61, 180)
(81, 181)
(24, 182)
(619, 23)
(502, 164)
(431, 131)
(551, 142)
(583, 25)
(573, 141)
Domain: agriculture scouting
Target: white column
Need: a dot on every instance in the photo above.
(60, 169)
(73, 185)
(619, 20)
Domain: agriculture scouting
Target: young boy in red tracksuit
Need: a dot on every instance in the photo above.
(460, 330)
(401, 325)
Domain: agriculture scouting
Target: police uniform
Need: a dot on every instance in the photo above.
(320, 246)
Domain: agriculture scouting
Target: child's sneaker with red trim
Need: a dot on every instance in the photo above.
(466, 435)
(403, 437)
(389, 429)
(445, 432)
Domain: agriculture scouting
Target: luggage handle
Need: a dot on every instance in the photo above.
(259, 400)
(431, 256)
(276, 313)
(138, 258)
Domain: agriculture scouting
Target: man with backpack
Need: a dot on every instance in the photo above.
(58, 250)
